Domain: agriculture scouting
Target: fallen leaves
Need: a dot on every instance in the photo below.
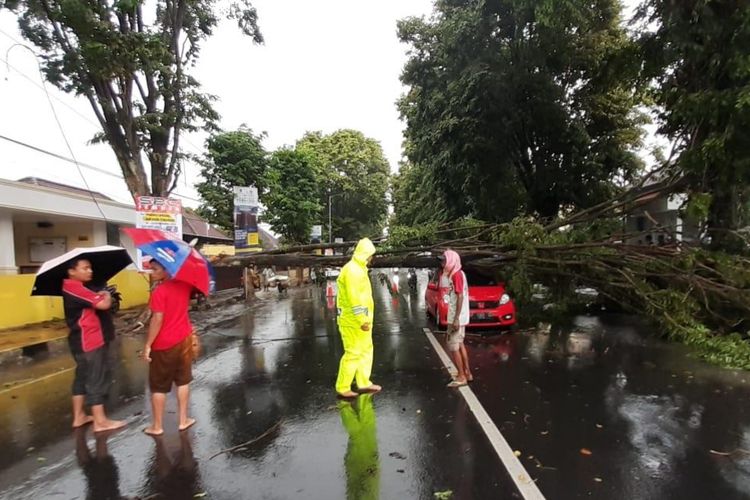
(517, 453)
(443, 495)
(397, 455)
(586, 452)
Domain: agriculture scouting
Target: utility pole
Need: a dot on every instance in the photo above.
(330, 225)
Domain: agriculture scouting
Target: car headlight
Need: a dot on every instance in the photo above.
(446, 299)
(504, 299)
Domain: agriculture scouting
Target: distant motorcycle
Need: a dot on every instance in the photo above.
(411, 278)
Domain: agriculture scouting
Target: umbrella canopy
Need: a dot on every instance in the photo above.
(106, 261)
(181, 261)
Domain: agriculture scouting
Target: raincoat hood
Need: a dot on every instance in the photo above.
(365, 249)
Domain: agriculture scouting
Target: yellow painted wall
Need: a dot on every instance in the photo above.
(19, 308)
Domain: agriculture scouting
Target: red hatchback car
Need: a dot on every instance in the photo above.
(490, 305)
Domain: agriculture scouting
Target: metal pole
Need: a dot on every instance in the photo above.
(330, 226)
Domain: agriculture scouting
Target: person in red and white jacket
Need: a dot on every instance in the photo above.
(89, 339)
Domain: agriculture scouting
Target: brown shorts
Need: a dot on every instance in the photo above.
(173, 366)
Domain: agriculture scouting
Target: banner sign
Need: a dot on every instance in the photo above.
(246, 205)
(164, 214)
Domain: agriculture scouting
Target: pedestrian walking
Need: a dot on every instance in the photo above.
(355, 317)
(91, 331)
(169, 348)
(458, 316)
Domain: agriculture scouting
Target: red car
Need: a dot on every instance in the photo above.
(491, 306)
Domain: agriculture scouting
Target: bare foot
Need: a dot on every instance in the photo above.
(188, 424)
(109, 425)
(87, 419)
(151, 431)
(371, 388)
(347, 394)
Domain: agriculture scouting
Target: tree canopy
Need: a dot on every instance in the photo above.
(132, 61)
(355, 172)
(235, 158)
(520, 106)
(292, 202)
(696, 54)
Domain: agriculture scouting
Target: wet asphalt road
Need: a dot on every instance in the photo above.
(607, 413)
(268, 372)
(595, 409)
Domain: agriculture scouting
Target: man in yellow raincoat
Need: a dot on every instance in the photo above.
(355, 314)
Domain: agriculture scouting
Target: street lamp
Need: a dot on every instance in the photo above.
(330, 225)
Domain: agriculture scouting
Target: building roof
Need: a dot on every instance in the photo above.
(195, 225)
(36, 181)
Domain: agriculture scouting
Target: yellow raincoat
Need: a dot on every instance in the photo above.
(355, 309)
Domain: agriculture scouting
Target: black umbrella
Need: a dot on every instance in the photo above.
(106, 261)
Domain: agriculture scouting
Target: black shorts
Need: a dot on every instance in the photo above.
(93, 376)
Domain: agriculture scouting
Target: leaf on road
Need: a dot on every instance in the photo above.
(586, 451)
(598, 479)
(517, 453)
(599, 426)
(200, 495)
(444, 495)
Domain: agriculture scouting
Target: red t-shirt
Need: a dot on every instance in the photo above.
(172, 298)
(458, 282)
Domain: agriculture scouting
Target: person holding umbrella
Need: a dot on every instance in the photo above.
(179, 269)
(76, 276)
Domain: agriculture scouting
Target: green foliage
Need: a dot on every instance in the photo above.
(697, 59)
(132, 62)
(292, 201)
(234, 159)
(415, 199)
(355, 171)
(517, 107)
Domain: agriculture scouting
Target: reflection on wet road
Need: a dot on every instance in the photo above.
(269, 374)
(596, 410)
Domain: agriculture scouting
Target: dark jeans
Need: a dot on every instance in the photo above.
(93, 375)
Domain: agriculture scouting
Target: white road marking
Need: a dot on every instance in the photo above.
(526, 486)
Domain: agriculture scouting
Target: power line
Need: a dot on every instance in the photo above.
(84, 165)
(72, 160)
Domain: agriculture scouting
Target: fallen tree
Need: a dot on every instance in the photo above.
(695, 295)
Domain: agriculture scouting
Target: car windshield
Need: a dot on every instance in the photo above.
(476, 279)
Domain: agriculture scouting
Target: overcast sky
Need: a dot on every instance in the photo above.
(325, 65)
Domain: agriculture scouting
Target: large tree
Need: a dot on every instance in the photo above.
(293, 199)
(696, 51)
(521, 105)
(355, 176)
(234, 159)
(132, 61)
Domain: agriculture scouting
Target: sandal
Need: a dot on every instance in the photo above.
(456, 383)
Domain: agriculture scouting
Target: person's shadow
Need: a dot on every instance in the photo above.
(174, 475)
(100, 468)
(361, 462)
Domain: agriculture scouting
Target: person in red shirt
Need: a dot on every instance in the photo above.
(90, 334)
(168, 348)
